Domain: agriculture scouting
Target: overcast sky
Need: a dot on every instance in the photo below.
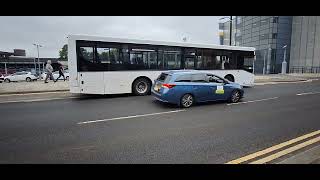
(51, 32)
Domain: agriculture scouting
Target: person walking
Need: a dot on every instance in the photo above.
(61, 72)
(49, 70)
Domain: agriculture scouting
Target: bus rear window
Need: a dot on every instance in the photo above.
(164, 77)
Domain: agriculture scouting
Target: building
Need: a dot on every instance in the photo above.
(268, 34)
(305, 45)
(11, 62)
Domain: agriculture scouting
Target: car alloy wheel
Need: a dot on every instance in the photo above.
(235, 97)
(187, 100)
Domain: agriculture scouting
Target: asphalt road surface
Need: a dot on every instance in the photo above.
(59, 128)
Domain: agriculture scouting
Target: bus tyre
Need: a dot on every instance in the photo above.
(141, 87)
(187, 101)
(235, 96)
(229, 77)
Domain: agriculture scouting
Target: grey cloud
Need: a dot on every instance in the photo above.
(21, 32)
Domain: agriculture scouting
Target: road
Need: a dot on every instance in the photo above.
(59, 128)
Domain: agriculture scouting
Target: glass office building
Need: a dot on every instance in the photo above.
(268, 34)
(305, 45)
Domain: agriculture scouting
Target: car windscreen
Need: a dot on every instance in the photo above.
(163, 77)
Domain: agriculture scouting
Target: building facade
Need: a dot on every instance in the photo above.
(11, 62)
(268, 34)
(305, 45)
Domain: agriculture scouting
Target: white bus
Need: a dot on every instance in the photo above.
(104, 65)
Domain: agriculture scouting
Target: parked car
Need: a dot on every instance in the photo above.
(1, 78)
(185, 88)
(21, 76)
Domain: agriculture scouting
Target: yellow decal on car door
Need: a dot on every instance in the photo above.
(220, 90)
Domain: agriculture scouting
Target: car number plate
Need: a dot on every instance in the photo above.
(157, 87)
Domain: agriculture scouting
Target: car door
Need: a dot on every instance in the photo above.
(16, 76)
(219, 90)
(22, 76)
(202, 89)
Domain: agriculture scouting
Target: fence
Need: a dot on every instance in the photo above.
(303, 69)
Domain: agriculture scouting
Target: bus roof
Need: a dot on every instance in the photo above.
(164, 43)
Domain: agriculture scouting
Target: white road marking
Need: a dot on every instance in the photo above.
(35, 100)
(129, 117)
(25, 94)
(307, 93)
(245, 102)
(295, 82)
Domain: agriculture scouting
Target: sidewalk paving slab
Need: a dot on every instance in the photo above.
(310, 156)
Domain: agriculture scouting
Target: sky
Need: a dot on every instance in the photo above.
(20, 32)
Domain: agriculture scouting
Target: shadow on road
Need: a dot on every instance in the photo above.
(98, 96)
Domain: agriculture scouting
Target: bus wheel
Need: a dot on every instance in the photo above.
(141, 87)
(229, 77)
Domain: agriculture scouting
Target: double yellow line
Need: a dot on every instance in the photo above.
(277, 147)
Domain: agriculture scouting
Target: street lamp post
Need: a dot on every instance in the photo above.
(38, 45)
(284, 63)
(264, 62)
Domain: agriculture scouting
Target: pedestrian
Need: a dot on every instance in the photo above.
(49, 70)
(61, 72)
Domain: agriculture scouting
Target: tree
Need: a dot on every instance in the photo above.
(63, 53)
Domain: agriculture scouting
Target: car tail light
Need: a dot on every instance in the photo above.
(168, 85)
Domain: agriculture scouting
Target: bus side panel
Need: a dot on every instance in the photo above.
(117, 82)
(72, 66)
(92, 82)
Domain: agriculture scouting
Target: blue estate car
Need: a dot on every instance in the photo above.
(185, 88)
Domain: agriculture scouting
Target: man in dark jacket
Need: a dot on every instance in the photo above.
(61, 72)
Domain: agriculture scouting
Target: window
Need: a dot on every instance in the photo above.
(214, 79)
(256, 24)
(274, 35)
(275, 19)
(263, 36)
(205, 60)
(184, 78)
(87, 61)
(169, 58)
(199, 78)
(86, 53)
(164, 77)
(264, 22)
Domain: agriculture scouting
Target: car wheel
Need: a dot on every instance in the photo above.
(67, 78)
(141, 87)
(187, 101)
(28, 79)
(235, 96)
(7, 80)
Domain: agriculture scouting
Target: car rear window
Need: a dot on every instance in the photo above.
(164, 77)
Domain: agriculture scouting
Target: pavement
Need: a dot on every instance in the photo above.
(32, 87)
(116, 129)
(40, 86)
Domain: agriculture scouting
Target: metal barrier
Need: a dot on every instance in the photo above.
(303, 69)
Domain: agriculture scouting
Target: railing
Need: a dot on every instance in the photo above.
(303, 69)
